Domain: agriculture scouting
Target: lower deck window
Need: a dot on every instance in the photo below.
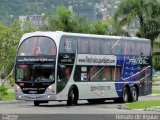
(97, 73)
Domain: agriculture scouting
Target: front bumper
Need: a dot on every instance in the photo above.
(36, 97)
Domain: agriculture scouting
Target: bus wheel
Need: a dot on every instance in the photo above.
(72, 97)
(36, 103)
(134, 94)
(125, 95)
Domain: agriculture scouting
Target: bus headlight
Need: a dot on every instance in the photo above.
(18, 90)
(50, 89)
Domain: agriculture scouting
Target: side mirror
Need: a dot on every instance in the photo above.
(61, 71)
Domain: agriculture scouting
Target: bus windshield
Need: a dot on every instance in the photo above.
(36, 60)
(35, 46)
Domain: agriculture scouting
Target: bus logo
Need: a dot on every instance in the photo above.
(68, 46)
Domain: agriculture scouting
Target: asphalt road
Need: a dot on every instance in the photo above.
(22, 110)
(75, 117)
(156, 87)
(60, 108)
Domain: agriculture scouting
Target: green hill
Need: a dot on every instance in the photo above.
(11, 9)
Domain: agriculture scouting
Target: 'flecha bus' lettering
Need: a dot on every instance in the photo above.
(61, 66)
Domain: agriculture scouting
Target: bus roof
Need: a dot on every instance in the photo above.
(61, 33)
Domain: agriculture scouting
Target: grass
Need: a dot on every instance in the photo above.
(158, 109)
(156, 80)
(156, 91)
(9, 86)
(9, 96)
(142, 104)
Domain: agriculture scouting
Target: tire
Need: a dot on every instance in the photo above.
(134, 95)
(36, 103)
(125, 95)
(72, 98)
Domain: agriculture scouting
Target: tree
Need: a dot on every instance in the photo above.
(9, 39)
(156, 62)
(98, 27)
(61, 20)
(146, 12)
(114, 28)
(65, 20)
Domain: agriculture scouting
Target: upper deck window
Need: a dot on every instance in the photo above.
(68, 44)
(116, 46)
(94, 46)
(130, 47)
(106, 46)
(147, 49)
(35, 46)
(83, 45)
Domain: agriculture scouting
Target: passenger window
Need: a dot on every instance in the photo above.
(130, 46)
(138, 48)
(117, 73)
(94, 73)
(105, 46)
(81, 74)
(116, 46)
(123, 43)
(142, 48)
(148, 49)
(63, 72)
(133, 48)
(83, 45)
(94, 46)
(106, 74)
(97, 73)
(68, 44)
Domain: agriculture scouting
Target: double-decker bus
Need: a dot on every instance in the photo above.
(61, 66)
